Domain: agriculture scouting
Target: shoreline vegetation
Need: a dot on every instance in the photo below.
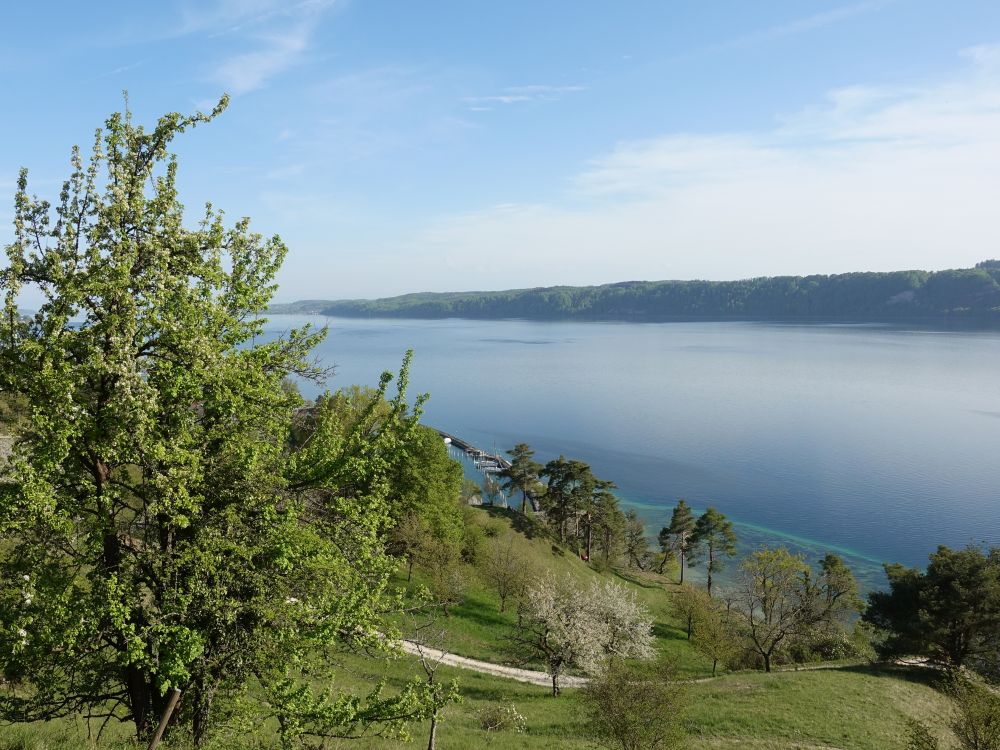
(961, 296)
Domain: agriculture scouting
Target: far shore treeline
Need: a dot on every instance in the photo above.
(964, 294)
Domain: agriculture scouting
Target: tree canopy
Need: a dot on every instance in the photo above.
(161, 527)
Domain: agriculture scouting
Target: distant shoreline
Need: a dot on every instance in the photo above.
(964, 296)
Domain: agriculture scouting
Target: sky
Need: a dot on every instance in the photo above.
(458, 145)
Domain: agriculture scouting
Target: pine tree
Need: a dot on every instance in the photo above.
(713, 536)
(522, 474)
(677, 536)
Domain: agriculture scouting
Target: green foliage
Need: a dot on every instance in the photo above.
(783, 609)
(950, 612)
(635, 708)
(957, 293)
(522, 474)
(161, 524)
(919, 737)
(676, 536)
(712, 537)
(976, 722)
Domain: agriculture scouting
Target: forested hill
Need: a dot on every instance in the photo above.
(968, 293)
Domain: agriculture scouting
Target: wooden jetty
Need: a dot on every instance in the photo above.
(486, 462)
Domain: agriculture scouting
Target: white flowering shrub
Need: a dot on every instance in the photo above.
(566, 626)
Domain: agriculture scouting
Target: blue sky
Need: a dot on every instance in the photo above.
(410, 146)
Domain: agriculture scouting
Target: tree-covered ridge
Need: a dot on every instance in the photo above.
(967, 293)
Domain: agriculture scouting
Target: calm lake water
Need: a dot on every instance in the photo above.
(872, 441)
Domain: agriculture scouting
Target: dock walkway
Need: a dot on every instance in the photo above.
(480, 455)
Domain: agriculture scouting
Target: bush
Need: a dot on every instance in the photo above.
(500, 717)
(634, 708)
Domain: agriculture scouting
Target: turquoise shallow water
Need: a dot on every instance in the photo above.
(875, 442)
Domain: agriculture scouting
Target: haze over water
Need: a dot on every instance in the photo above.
(876, 442)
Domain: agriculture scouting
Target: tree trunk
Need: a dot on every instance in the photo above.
(201, 711)
(711, 565)
(767, 662)
(690, 625)
(409, 569)
(555, 684)
(432, 739)
(683, 560)
(524, 502)
(715, 663)
(590, 537)
(139, 703)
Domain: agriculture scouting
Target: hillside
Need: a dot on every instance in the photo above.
(851, 707)
(962, 294)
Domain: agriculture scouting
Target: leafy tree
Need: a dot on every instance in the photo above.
(566, 627)
(505, 570)
(637, 709)
(688, 602)
(781, 602)
(715, 633)
(448, 581)
(427, 483)
(950, 612)
(160, 526)
(771, 599)
(407, 540)
(636, 543)
(522, 474)
(976, 723)
(677, 535)
(713, 536)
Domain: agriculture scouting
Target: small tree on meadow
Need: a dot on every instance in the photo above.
(632, 708)
(505, 570)
(564, 626)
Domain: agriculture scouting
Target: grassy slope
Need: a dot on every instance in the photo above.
(849, 707)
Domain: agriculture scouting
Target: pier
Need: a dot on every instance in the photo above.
(486, 462)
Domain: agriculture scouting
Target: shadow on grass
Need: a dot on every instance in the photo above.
(910, 673)
(635, 580)
(525, 524)
(669, 632)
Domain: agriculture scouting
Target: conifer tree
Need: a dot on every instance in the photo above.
(522, 474)
(677, 535)
(712, 537)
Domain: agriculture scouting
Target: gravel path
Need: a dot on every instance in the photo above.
(487, 667)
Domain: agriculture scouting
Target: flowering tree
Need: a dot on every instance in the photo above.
(160, 527)
(565, 626)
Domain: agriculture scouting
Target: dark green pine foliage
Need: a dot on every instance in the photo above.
(677, 535)
(713, 537)
(522, 474)
(950, 612)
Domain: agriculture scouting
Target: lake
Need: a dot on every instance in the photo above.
(873, 441)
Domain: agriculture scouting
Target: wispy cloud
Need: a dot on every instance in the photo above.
(277, 35)
(803, 25)
(519, 94)
(870, 178)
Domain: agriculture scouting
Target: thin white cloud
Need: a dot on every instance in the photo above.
(803, 25)
(278, 34)
(872, 178)
(519, 94)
